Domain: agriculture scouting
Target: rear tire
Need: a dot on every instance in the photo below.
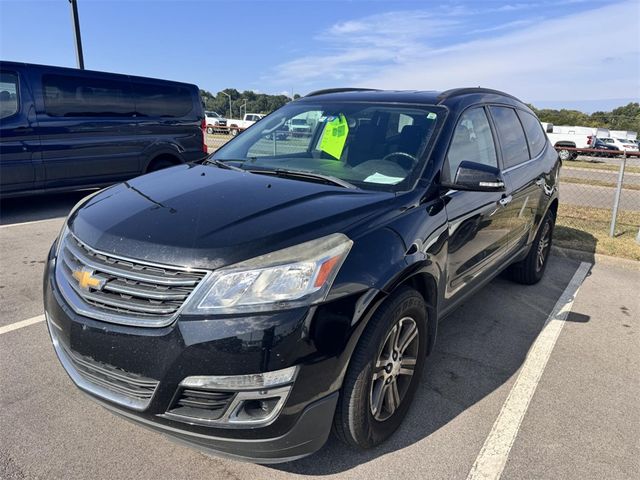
(531, 269)
(159, 164)
(384, 372)
(564, 155)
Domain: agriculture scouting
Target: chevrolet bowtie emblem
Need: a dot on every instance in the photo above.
(86, 280)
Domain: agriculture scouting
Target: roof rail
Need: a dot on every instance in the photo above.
(454, 92)
(339, 90)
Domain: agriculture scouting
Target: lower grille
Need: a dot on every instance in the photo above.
(106, 381)
(201, 404)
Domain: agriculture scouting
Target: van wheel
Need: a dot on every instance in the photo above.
(384, 371)
(159, 164)
(531, 269)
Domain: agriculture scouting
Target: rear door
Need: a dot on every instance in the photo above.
(478, 223)
(18, 139)
(169, 119)
(521, 169)
(87, 128)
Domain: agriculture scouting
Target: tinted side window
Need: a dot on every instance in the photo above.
(9, 100)
(535, 135)
(512, 140)
(153, 100)
(472, 141)
(68, 96)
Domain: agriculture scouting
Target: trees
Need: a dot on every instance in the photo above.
(626, 117)
(256, 102)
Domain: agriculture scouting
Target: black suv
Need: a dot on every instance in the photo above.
(249, 303)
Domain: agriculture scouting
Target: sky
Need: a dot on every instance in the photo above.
(579, 54)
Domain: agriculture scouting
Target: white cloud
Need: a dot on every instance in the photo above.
(572, 58)
(507, 26)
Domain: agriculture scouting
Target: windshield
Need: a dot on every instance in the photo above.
(211, 114)
(372, 146)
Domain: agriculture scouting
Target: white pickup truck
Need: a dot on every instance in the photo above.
(215, 122)
(236, 126)
(572, 137)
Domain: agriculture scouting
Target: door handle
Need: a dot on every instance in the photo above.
(504, 201)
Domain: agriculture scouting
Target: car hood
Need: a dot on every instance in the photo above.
(206, 217)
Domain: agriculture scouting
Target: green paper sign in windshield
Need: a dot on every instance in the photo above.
(334, 136)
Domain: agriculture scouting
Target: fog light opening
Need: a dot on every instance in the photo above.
(257, 409)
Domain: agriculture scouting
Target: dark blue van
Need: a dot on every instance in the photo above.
(67, 129)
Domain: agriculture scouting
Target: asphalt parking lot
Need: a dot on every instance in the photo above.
(574, 414)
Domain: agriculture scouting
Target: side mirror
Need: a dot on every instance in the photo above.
(478, 177)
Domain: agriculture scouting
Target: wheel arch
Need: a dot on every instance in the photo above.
(425, 284)
(172, 157)
(564, 143)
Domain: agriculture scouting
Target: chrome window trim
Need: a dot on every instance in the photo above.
(507, 170)
(86, 385)
(83, 308)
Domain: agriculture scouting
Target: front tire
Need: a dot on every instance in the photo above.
(384, 372)
(531, 269)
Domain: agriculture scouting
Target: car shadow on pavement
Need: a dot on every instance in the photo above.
(479, 348)
(38, 207)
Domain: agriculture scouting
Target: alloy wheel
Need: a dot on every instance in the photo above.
(394, 369)
(543, 246)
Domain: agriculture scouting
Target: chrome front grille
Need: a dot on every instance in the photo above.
(120, 290)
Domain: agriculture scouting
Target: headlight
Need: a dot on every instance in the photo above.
(292, 277)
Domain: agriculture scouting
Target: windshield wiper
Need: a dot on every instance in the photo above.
(221, 164)
(281, 172)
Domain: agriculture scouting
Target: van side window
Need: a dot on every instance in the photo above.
(513, 143)
(70, 96)
(154, 100)
(8, 94)
(472, 142)
(535, 135)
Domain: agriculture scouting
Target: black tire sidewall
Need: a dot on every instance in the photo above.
(548, 218)
(364, 429)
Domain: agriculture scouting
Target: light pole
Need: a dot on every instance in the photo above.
(230, 112)
(76, 30)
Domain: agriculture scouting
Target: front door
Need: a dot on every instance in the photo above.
(18, 140)
(478, 222)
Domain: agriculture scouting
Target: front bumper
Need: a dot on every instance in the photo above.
(207, 346)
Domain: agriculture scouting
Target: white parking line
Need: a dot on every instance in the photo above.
(22, 324)
(494, 453)
(30, 223)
